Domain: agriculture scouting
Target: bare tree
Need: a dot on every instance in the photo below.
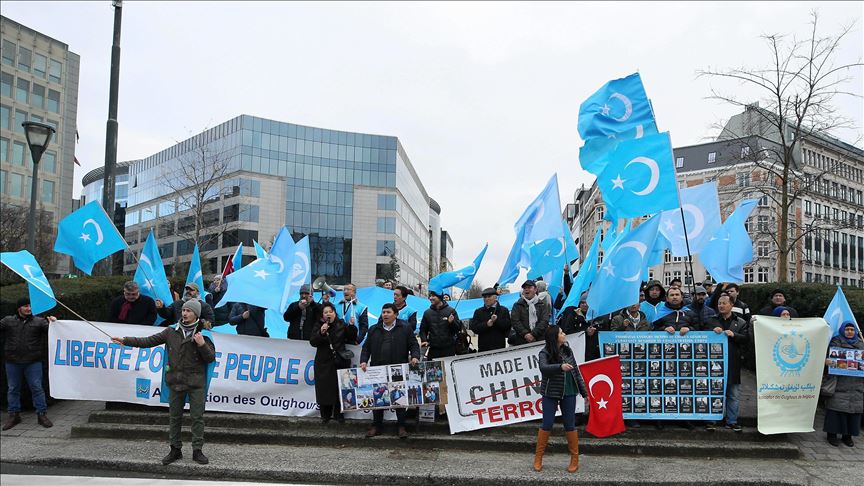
(389, 271)
(475, 291)
(798, 89)
(197, 184)
(13, 237)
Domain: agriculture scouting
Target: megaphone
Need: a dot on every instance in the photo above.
(320, 284)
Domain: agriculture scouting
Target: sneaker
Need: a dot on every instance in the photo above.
(403, 434)
(710, 426)
(735, 427)
(172, 456)
(43, 420)
(199, 457)
(848, 441)
(12, 420)
(372, 432)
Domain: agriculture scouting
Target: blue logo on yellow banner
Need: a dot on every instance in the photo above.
(142, 388)
(791, 353)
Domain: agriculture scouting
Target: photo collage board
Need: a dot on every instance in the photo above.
(392, 386)
(846, 362)
(668, 376)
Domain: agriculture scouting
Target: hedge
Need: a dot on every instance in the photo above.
(809, 299)
(88, 296)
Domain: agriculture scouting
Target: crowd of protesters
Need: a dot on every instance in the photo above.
(403, 334)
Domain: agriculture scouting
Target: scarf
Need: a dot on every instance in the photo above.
(850, 342)
(633, 320)
(188, 329)
(532, 311)
(124, 310)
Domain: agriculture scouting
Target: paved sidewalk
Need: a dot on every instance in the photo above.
(64, 414)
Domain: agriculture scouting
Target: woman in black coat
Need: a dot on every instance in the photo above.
(330, 336)
(562, 382)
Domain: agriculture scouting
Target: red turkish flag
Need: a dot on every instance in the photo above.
(229, 267)
(603, 378)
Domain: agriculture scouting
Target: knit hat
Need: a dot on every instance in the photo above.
(779, 310)
(778, 291)
(193, 305)
(700, 290)
(23, 301)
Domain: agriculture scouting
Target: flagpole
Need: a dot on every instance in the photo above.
(684, 226)
(79, 316)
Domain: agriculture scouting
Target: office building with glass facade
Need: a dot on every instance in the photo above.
(356, 195)
(38, 82)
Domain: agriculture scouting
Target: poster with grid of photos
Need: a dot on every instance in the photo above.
(846, 362)
(668, 376)
(391, 386)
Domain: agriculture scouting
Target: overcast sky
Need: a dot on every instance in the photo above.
(484, 97)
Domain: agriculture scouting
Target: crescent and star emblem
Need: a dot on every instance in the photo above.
(301, 270)
(698, 218)
(86, 236)
(604, 378)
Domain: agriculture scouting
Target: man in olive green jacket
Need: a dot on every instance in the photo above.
(189, 352)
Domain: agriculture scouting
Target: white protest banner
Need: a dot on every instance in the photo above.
(790, 356)
(499, 387)
(252, 374)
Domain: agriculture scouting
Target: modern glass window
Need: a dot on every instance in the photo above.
(167, 229)
(6, 80)
(18, 124)
(387, 202)
(18, 150)
(185, 247)
(22, 90)
(25, 59)
(4, 150)
(55, 71)
(166, 250)
(53, 101)
(386, 225)
(49, 162)
(48, 192)
(9, 49)
(249, 213)
(40, 65)
(385, 248)
(5, 113)
(38, 98)
(2, 181)
(16, 185)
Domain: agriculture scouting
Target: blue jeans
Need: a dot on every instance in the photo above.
(568, 412)
(732, 395)
(15, 374)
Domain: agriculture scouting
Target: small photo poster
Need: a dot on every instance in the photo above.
(392, 386)
(846, 362)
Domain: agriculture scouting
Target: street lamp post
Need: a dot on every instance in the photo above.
(38, 137)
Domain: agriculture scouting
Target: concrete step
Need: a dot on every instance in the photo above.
(671, 431)
(398, 463)
(349, 437)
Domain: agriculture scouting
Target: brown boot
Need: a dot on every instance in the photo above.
(12, 420)
(43, 420)
(573, 445)
(373, 431)
(542, 440)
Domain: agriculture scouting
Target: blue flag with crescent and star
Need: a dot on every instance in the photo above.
(150, 273)
(24, 264)
(620, 276)
(237, 259)
(640, 178)
(618, 111)
(461, 278)
(87, 235)
(838, 312)
(262, 282)
(701, 208)
(195, 274)
(731, 247)
(301, 269)
(541, 220)
(587, 272)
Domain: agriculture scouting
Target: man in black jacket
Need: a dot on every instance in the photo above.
(438, 328)
(132, 307)
(302, 315)
(390, 341)
(249, 320)
(737, 330)
(174, 313)
(680, 319)
(778, 299)
(491, 323)
(24, 334)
